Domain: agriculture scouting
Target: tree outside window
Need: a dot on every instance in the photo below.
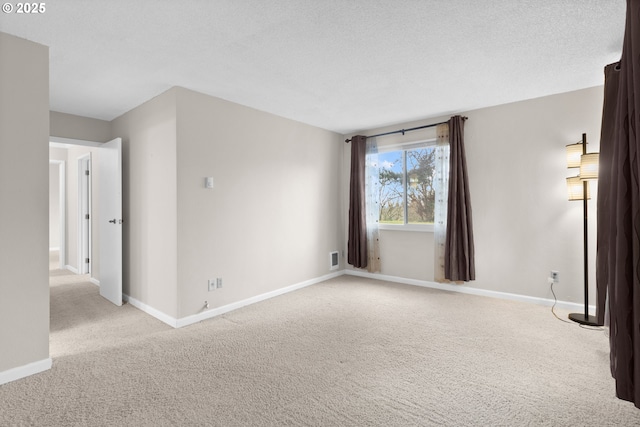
(407, 193)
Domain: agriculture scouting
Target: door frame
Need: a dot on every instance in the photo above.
(84, 199)
(62, 189)
(112, 288)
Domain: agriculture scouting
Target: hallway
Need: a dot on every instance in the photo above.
(82, 321)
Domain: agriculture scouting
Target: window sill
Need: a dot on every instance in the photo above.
(408, 227)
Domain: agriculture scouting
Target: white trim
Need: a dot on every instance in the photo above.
(171, 321)
(53, 249)
(421, 228)
(63, 214)
(58, 142)
(71, 269)
(94, 281)
(25, 371)
(420, 143)
(195, 318)
(62, 195)
(84, 198)
(473, 291)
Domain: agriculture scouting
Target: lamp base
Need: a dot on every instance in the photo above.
(584, 320)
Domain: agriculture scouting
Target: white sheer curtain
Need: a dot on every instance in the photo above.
(442, 190)
(372, 193)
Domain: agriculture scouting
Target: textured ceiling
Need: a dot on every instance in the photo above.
(342, 65)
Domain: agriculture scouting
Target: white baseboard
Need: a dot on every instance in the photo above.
(53, 249)
(25, 371)
(473, 291)
(96, 282)
(208, 314)
(171, 321)
(195, 318)
(71, 269)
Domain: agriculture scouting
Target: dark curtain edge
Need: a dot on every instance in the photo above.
(459, 244)
(357, 254)
(621, 244)
(609, 108)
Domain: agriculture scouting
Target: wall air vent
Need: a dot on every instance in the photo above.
(334, 260)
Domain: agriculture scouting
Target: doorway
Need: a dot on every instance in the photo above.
(77, 241)
(88, 245)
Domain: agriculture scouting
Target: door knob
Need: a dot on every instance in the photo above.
(113, 221)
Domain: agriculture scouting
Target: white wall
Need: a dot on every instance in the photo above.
(24, 226)
(274, 214)
(54, 205)
(59, 155)
(524, 226)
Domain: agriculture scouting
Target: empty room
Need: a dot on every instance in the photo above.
(319, 213)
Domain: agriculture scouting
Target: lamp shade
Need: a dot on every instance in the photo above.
(575, 188)
(574, 151)
(589, 166)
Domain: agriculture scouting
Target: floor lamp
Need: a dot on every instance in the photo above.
(578, 187)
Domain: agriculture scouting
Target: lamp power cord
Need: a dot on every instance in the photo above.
(555, 301)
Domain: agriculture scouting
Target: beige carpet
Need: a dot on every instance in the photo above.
(346, 352)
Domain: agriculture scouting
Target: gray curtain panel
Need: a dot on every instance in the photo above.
(459, 259)
(619, 238)
(357, 243)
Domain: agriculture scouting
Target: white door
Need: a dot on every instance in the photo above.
(110, 167)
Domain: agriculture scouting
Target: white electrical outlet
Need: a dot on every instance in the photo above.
(555, 276)
(212, 285)
(219, 282)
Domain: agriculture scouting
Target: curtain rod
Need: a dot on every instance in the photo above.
(402, 131)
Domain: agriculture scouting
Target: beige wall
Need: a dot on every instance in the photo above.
(76, 127)
(270, 222)
(148, 134)
(524, 226)
(24, 230)
(273, 215)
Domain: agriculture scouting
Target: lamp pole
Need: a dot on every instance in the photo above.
(585, 319)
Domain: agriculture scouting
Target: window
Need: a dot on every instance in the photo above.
(407, 186)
